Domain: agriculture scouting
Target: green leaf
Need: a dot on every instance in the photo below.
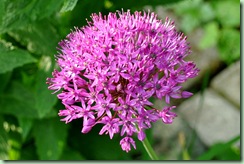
(211, 35)
(50, 136)
(128, 4)
(70, 154)
(1, 10)
(4, 78)
(12, 58)
(193, 13)
(23, 102)
(18, 13)
(40, 37)
(45, 8)
(206, 12)
(186, 7)
(94, 146)
(78, 19)
(190, 14)
(68, 5)
(233, 153)
(45, 100)
(25, 125)
(34, 101)
(227, 12)
(11, 105)
(189, 22)
(218, 149)
(15, 144)
(4, 146)
(13, 137)
(28, 152)
(229, 45)
(102, 147)
(52, 113)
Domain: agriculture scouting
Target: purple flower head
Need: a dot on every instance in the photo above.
(166, 115)
(110, 68)
(126, 142)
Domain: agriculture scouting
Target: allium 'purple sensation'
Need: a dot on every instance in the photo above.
(110, 68)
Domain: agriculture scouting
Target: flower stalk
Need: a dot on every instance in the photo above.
(149, 149)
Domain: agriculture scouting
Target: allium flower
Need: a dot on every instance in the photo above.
(110, 68)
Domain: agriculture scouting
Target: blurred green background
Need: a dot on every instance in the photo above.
(29, 34)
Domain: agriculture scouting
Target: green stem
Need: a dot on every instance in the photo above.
(149, 149)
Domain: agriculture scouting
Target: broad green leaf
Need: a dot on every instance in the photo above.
(227, 12)
(229, 45)
(185, 6)
(14, 152)
(19, 92)
(46, 8)
(190, 13)
(17, 107)
(94, 146)
(25, 125)
(11, 129)
(52, 113)
(4, 78)
(28, 152)
(23, 102)
(1, 10)
(103, 148)
(128, 4)
(189, 22)
(12, 58)
(4, 146)
(70, 154)
(34, 101)
(45, 100)
(40, 37)
(206, 12)
(233, 153)
(18, 13)
(68, 5)
(19, 101)
(50, 138)
(218, 149)
(78, 18)
(210, 37)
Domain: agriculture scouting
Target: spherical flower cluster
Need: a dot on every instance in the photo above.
(110, 68)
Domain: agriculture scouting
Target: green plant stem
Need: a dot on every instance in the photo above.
(149, 149)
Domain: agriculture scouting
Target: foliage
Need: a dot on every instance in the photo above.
(221, 28)
(222, 151)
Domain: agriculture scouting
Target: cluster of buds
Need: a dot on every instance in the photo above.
(110, 68)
